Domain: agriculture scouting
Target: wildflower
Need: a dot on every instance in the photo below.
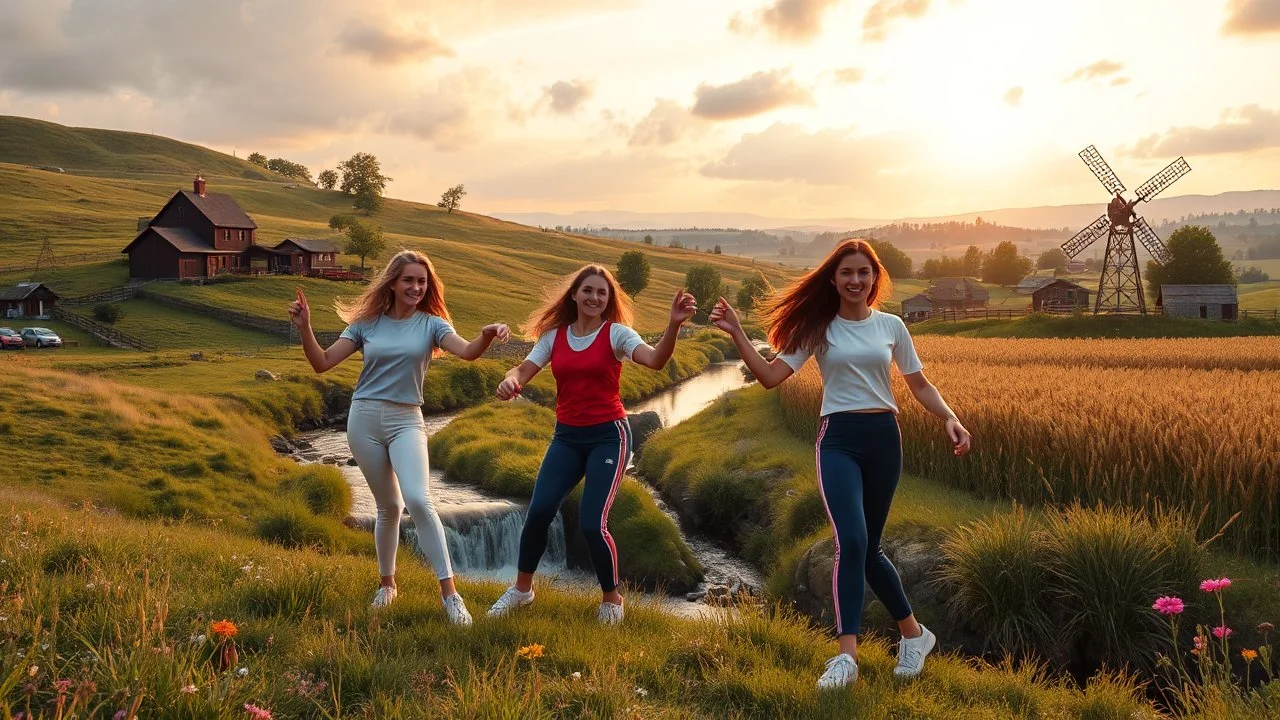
(577, 675)
(198, 640)
(1221, 632)
(120, 715)
(642, 692)
(530, 652)
(256, 712)
(1266, 628)
(31, 671)
(1249, 655)
(62, 686)
(1218, 585)
(1168, 605)
(224, 629)
(1198, 641)
(188, 689)
(242, 672)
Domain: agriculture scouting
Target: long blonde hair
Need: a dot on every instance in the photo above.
(380, 296)
(559, 308)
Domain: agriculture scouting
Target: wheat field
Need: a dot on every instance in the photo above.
(1178, 424)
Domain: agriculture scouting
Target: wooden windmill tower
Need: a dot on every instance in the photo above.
(1120, 287)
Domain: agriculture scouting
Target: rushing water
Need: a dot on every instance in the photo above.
(483, 532)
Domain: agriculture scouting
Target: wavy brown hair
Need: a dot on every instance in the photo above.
(380, 296)
(798, 316)
(560, 309)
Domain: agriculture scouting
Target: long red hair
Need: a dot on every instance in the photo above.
(798, 316)
(560, 309)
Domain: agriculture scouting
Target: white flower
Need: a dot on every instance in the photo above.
(577, 675)
(198, 639)
(242, 671)
(22, 654)
(642, 692)
(3, 618)
(44, 646)
(33, 670)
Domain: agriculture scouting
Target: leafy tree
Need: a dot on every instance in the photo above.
(1252, 274)
(633, 272)
(1004, 265)
(1053, 259)
(896, 262)
(328, 179)
(971, 261)
(364, 240)
(703, 283)
(107, 312)
(362, 179)
(648, 239)
(1195, 259)
(289, 169)
(341, 222)
(674, 243)
(754, 288)
(452, 198)
(257, 158)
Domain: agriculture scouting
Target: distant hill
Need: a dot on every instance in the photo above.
(24, 141)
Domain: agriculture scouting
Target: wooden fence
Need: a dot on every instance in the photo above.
(105, 333)
(61, 260)
(115, 294)
(971, 314)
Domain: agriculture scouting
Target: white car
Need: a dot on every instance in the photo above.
(40, 337)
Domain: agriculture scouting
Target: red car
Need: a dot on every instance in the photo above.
(10, 340)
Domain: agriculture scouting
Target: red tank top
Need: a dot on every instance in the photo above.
(586, 380)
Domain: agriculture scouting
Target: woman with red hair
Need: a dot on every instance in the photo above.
(831, 315)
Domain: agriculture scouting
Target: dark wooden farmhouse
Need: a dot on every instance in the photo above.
(27, 300)
(1049, 294)
(196, 234)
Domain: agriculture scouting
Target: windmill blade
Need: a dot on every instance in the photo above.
(1163, 179)
(1085, 237)
(1151, 241)
(1093, 159)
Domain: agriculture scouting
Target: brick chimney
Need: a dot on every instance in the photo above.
(199, 185)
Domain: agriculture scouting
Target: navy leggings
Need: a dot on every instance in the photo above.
(859, 457)
(600, 452)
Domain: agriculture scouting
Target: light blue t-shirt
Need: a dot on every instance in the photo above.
(855, 368)
(396, 353)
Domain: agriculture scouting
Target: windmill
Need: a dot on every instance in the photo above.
(1120, 287)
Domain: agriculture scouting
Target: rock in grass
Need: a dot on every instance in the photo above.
(266, 375)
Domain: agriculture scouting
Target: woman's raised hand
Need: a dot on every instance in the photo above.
(300, 311)
(497, 331)
(682, 307)
(725, 317)
(508, 389)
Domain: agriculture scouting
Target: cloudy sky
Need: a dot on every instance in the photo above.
(791, 108)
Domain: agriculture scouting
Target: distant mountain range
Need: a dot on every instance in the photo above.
(1049, 216)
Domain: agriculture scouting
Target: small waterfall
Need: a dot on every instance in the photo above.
(484, 538)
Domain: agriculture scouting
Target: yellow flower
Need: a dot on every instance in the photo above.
(1249, 655)
(530, 652)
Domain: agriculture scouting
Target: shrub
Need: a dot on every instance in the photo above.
(292, 525)
(324, 490)
(107, 312)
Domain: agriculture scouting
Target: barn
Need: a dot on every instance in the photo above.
(1209, 302)
(1048, 294)
(27, 300)
(916, 307)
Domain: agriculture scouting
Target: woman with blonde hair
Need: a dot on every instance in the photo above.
(830, 314)
(582, 331)
(398, 323)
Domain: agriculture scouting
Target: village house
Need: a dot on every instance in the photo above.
(203, 234)
(1048, 293)
(952, 293)
(1209, 302)
(27, 300)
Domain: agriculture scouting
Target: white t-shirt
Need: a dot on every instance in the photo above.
(855, 368)
(623, 339)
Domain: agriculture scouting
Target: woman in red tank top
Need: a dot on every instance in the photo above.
(583, 332)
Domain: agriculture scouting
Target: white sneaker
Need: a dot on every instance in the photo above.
(384, 597)
(842, 670)
(912, 651)
(456, 610)
(510, 600)
(609, 614)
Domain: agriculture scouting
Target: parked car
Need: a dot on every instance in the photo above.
(41, 337)
(10, 340)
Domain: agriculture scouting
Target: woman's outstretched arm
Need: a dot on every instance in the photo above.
(457, 345)
(682, 308)
(930, 399)
(516, 378)
(321, 359)
(770, 373)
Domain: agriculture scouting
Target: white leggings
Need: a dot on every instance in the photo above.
(389, 442)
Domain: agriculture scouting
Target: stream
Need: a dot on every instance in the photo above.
(483, 530)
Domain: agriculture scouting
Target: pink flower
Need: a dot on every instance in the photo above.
(1198, 641)
(188, 689)
(256, 712)
(1218, 585)
(1222, 631)
(120, 715)
(1168, 605)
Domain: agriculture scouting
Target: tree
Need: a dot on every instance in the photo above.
(328, 179)
(896, 262)
(1252, 274)
(1053, 259)
(971, 262)
(754, 289)
(1004, 265)
(341, 222)
(633, 272)
(289, 169)
(716, 250)
(362, 179)
(648, 239)
(674, 243)
(703, 283)
(452, 198)
(1195, 259)
(257, 158)
(364, 240)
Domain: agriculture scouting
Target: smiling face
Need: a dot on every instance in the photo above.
(854, 278)
(592, 297)
(411, 286)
